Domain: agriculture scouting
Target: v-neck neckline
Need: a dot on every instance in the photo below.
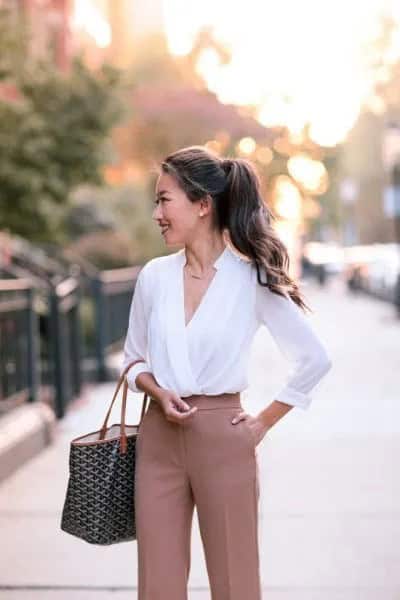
(217, 264)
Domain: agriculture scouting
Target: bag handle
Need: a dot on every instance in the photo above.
(123, 380)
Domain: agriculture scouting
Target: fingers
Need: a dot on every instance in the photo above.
(179, 410)
(181, 405)
(176, 416)
(239, 417)
(181, 416)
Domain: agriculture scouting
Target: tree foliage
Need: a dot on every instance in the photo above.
(53, 135)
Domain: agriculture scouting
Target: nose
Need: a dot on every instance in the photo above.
(157, 212)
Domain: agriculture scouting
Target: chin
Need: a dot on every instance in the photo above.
(169, 240)
(172, 243)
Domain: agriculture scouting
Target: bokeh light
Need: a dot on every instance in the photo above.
(298, 63)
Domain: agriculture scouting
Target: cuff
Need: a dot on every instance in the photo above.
(290, 396)
(133, 372)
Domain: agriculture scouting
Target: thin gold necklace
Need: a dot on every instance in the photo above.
(202, 277)
(195, 276)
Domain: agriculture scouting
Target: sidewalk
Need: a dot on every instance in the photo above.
(330, 492)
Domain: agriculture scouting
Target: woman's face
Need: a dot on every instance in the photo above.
(177, 216)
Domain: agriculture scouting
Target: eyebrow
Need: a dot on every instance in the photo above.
(162, 192)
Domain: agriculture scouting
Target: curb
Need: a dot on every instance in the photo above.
(24, 432)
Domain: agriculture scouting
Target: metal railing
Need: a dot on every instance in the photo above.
(112, 293)
(19, 337)
(41, 335)
(65, 342)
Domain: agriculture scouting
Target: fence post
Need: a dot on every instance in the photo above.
(58, 354)
(76, 343)
(33, 346)
(100, 328)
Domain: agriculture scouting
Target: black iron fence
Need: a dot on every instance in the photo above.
(18, 344)
(112, 293)
(53, 337)
(65, 347)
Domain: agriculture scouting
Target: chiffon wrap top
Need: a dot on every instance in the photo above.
(210, 354)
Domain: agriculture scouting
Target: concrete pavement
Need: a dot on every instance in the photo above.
(330, 493)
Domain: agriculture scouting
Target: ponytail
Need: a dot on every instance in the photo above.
(248, 220)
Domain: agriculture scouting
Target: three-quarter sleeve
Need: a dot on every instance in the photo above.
(297, 341)
(135, 346)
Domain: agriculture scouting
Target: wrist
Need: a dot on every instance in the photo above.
(159, 395)
(265, 421)
(146, 382)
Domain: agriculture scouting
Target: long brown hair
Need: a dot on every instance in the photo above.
(238, 206)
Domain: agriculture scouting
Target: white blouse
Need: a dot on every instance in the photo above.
(210, 354)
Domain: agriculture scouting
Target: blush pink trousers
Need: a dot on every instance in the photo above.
(206, 462)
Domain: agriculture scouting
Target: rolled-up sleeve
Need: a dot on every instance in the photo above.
(294, 336)
(135, 346)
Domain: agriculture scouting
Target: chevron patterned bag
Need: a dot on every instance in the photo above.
(99, 503)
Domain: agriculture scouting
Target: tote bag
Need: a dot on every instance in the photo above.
(99, 503)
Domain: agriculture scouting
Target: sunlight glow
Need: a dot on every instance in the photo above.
(311, 174)
(298, 63)
(246, 146)
(287, 199)
(87, 16)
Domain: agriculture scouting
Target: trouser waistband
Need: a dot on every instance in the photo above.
(213, 401)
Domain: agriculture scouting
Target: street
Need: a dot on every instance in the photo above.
(330, 493)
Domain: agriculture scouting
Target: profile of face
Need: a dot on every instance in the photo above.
(178, 217)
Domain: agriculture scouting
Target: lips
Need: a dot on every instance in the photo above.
(164, 229)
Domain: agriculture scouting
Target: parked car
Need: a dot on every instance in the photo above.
(322, 260)
(374, 269)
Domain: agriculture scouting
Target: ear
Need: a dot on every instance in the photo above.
(206, 204)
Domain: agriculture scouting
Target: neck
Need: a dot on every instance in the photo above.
(201, 256)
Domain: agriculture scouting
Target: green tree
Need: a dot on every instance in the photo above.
(53, 136)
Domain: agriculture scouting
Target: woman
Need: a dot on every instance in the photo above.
(193, 316)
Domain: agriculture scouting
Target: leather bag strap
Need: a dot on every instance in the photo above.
(123, 381)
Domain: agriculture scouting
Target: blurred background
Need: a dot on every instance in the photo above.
(93, 95)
